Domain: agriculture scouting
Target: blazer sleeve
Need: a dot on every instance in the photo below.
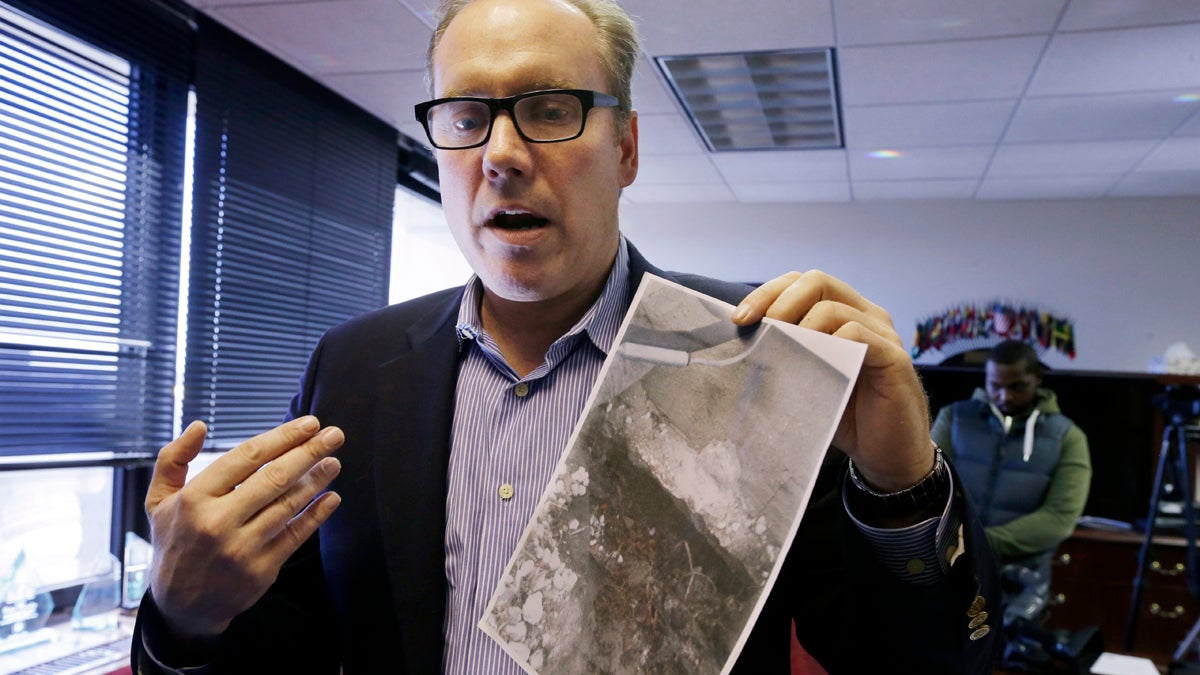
(287, 631)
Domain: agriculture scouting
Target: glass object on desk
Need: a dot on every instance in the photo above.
(100, 597)
(138, 554)
(24, 605)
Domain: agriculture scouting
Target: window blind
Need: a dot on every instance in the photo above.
(93, 104)
(291, 230)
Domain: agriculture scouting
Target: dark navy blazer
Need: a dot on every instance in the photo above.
(369, 591)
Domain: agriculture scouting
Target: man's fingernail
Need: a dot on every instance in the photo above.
(332, 437)
(309, 424)
(331, 466)
(741, 313)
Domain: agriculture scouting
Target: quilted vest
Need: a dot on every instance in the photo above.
(1001, 483)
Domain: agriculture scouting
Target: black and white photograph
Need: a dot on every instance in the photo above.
(680, 491)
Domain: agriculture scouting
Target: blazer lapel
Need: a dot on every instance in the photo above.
(412, 441)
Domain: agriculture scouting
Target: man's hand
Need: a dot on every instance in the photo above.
(220, 541)
(885, 429)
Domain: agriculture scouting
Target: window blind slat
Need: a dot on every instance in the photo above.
(291, 230)
(93, 105)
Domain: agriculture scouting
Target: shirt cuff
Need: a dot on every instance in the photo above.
(921, 553)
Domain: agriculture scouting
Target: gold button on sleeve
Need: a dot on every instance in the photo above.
(977, 621)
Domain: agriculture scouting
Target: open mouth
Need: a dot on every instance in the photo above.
(517, 221)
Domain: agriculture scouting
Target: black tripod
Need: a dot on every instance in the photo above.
(1172, 458)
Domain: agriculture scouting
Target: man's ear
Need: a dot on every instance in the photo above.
(629, 150)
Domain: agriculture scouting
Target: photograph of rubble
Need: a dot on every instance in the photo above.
(680, 490)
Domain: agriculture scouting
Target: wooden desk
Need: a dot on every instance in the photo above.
(1093, 585)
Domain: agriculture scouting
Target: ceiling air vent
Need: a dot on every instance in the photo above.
(779, 100)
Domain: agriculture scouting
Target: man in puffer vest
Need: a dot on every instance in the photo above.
(1025, 466)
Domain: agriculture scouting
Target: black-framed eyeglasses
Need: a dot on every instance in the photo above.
(548, 116)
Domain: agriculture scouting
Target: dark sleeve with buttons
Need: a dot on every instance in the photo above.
(915, 531)
(854, 613)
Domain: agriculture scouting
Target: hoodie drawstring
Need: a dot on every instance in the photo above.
(1029, 425)
(1006, 421)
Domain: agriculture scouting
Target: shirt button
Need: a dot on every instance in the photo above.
(915, 566)
(506, 492)
(521, 390)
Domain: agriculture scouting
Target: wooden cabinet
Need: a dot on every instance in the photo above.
(1093, 584)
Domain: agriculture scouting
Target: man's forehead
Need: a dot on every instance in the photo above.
(1010, 372)
(507, 47)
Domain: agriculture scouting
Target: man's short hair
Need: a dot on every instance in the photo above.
(1011, 352)
(619, 50)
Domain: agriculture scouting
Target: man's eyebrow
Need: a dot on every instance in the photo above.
(538, 85)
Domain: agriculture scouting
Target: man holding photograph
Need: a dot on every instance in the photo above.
(451, 411)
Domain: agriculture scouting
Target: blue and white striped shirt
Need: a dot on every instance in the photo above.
(509, 433)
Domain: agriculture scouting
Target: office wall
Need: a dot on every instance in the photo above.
(1126, 271)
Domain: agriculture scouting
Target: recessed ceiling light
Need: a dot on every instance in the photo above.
(778, 100)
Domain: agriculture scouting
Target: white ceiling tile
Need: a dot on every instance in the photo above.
(205, 4)
(830, 191)
(1066, 187)
(861, 22)
(1158, 184)
(1137, 59)
(1077, 118)
(1094, 14)
(389, 95)
(921, 124)
(671, 27)
(771, 167)
(666, 135)
(1174, 154)
(682, 169)
(915, 189)
(650, 194)
(650, 93)
(1061, 159)
(1190, 127)
(966, 161)
(312, 35)
(422, 9)
(941, 71)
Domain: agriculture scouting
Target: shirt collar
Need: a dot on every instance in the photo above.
(600, 323)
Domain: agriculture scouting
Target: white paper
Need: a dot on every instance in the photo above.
(664, 527)
(1120, 664)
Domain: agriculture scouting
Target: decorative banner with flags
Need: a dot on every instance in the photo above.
(973, 325)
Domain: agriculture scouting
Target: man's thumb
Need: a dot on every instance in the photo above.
(170, 469)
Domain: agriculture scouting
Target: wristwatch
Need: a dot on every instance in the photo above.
(932, 490)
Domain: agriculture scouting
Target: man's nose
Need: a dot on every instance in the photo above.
(504, 130)
(503, 151)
